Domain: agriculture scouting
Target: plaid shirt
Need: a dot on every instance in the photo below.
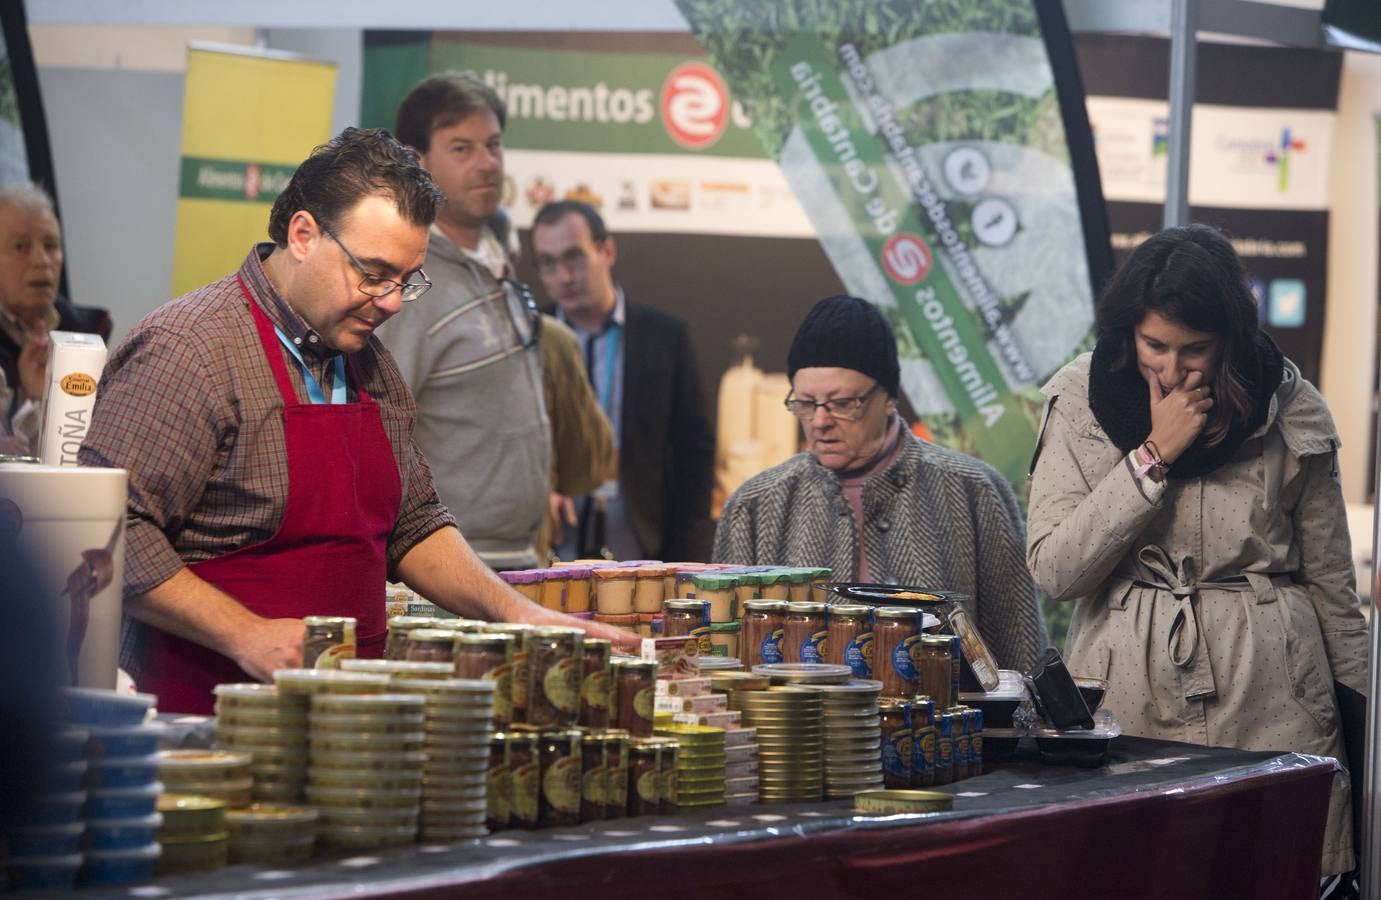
(189, 406)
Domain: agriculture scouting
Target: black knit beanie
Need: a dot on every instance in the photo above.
(847, 333)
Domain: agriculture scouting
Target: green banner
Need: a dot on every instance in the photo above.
(222, 179)
(926, 144)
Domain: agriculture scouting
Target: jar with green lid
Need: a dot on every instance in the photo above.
(798, 584)
(489, 657)
(395, 647)
(519, 664)
(804, 633)
(764, 622)
(644, 776)
(720, 590)
(724, 639)
(525, 768)
(431, 645)
(633, 695)
(555, 665)
(774, 584)
(688, 618)
(616, 772)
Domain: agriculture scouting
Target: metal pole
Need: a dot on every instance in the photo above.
(1183, 43)
(1369, 853)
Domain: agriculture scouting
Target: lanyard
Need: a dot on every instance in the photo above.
(611, 360)
(314, 392)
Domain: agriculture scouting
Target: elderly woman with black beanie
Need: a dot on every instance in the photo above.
(1186, 498)
(874, 503)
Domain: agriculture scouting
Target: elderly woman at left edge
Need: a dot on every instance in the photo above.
(873, 502)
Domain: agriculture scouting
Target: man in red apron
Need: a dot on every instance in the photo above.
(267, 434)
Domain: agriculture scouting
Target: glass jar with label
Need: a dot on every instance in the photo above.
(489, 657)
(720, 590)
(519, 663)
(896, 637)
(804, 635)
(595, 683)
(763, 629)
(937, 669)
(616, 773)
(561, 762)
(431, 645)
(593, 776)
(775, 584)
(396, 646)
(670, 752)
(525, 766)
(688, 618)
(498, 784)
(327, 640)
(922, 742)
(644, 777)
(633, 695)
(895, 720)
(614, 591)
(944, 749)
(554, 669)
(851, 632)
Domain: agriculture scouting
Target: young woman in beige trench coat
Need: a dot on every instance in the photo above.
(1185, 497)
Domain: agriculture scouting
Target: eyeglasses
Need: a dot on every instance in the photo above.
(573, 260)
(848, 409)
(377, 285)
(523, 313)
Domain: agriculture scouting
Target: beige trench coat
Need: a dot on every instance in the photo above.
(1222, 610)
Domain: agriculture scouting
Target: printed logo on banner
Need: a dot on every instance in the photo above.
(1280, 158)
(1160, 137)
(1286, 303)
(695, 105)
(907, 258)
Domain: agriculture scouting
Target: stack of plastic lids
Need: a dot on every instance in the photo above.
(853, 737)
(271, 835)
(218, 774)
(790, 730)
(710, 664)
(365, 776)
(121, 782)
(192, 833)
(45, 852)
(455, 783)
(700, 764)
(272, 728)
(397, 669)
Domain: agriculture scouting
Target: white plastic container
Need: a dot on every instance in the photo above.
(75, 363)
(70, 522)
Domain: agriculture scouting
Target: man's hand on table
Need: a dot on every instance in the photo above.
(269, 645)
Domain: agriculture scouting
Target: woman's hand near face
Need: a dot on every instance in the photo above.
(1178, 417)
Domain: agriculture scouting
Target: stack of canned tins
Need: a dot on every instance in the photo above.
(271, 835)
(853, 760)
(692, 767)
(789, 720)
(365, 776)
(192, 833)
(459, 722)
(218, 774)
(397, 669)
(270, 727)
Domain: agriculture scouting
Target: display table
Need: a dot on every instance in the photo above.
(1159, 820)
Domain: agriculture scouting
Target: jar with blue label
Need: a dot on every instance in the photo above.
(896, 649)
(894, 717)
(850, 641)
(764, 624)
(944, 748)
(805, 637)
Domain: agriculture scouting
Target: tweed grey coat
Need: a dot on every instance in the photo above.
(934, 518)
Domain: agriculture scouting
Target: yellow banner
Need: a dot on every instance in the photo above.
(248, 119)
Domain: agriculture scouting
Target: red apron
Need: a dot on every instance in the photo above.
(328, 555)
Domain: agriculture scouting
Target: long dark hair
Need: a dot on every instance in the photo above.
(1190, 275)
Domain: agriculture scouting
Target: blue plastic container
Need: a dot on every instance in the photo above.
(43, 841)
(115, 867)
(64, 778)
(91, 706)
(127, 740)
(57, 809)
(44, 873)
(123, 834)
(122, 803)
(122, 772)
(69, 745)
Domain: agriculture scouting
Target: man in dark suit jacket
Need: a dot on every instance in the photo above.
(643, 372)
